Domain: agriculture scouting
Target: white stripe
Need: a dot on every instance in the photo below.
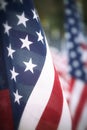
(75, 96)
(65, 86)
(65, 121)
(39, 97)
(83, 120)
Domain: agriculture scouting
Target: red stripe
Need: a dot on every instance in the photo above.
(82, 101)
(71, 84)
(6, 121)
(85, 64)
(84, 46)
(52, 113)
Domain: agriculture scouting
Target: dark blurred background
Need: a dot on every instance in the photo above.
(51, 14)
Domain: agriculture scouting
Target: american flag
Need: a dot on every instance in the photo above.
(60, 62)
(77, 68)
(31, 97)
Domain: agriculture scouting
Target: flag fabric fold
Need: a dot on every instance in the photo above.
(35, 96)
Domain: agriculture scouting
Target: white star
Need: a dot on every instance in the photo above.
(10, 51)
(67, 35)
(75, 63)
(71, 21)
(35, 16)
(22, 19)
(80, 38)
(74, 30)
(7, 28)
(78, 73)
(73, 54)
(68, 11)
(70, 45)
(17, 97)
(3, 5)
(40, 37)
(26, 42)
(21, 1)
(14, 74)
(29, 65)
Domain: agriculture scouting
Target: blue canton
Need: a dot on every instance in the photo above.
(23, 46)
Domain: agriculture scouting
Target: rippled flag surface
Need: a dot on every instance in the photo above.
(34, 96)
(77, 67)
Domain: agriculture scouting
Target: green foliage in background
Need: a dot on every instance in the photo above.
(84, 7)
(51, 13)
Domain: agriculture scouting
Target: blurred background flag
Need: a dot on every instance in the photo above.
(37, 101)
(76, 44)
(60, 62)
